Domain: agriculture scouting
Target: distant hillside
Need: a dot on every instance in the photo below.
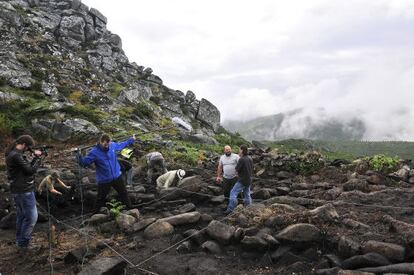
(348, 149)
(297, 124)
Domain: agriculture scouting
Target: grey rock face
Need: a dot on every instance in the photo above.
(209, 114)
(49, 89)
(97, 15)
(135, 94)
(72, 27)
(74, 128)
(7, 97)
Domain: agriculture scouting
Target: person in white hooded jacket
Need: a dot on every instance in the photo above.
(171, 178)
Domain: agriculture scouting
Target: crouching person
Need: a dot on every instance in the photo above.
(108, 170)
(155, 163)
(48, 183)
(170, 179)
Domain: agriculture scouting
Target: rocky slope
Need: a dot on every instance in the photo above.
(65, 77)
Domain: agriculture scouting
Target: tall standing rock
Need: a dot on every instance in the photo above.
(209, 114)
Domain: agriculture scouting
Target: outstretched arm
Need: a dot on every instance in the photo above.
(118, 146)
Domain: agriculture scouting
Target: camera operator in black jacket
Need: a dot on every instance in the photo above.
(21, 173)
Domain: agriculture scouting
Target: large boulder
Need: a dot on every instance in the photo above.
(209, 114)
(72, 30)
(70, 129)
(301, 232)
(180, 219)
(220, 232)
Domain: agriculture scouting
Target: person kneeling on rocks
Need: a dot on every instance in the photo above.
(155, 162)
(244, 169)
(50, 181)
(171, 178)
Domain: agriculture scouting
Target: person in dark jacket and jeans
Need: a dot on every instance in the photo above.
(20, 172)
(108, 171)
(244, 169)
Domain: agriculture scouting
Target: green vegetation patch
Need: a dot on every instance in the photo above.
(383, 163)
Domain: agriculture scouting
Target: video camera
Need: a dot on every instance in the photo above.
(42, 148)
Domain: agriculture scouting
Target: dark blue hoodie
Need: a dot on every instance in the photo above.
(107, 166)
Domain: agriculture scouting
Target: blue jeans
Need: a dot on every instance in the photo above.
(26, 217)
(237, 188)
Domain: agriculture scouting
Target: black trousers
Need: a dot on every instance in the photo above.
(228, 185)
(103, 191)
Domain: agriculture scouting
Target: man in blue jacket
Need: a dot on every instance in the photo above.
(108, 171)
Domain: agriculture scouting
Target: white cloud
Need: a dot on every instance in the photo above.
(254, 58)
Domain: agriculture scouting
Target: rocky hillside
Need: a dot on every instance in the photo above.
(65, 77)
(298, 124)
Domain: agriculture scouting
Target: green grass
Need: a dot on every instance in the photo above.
(116, 89)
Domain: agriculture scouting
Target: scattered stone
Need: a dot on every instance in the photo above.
(212, 247)
(354, 224)
(277, 255)
(158, 229)
(393, 252)
(218, 199)
(220, 232)
(356, 184)
(333, 260)
(125, 222)
(104, 266)
(366, 260)
(141, 224)
(196, 236)
(98, 218)
(78, 255)
(206, 217)
(300, 232)
(262, 194)
(404, 268)
(184, 247)
(187, 208)
(254, 243)
(325, 212)
(180, 219)
(133, 212)
(347, 247)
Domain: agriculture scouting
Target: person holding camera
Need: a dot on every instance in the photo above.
(20, 172)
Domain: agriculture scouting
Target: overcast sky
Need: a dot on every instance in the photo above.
(253, 58)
